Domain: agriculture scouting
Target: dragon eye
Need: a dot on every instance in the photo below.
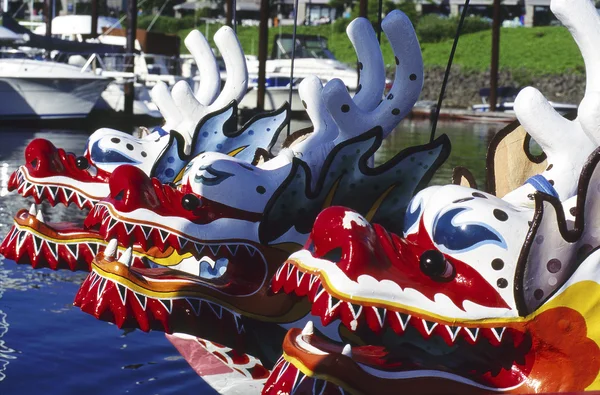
(82, 163)
(434, 264)
(190, 202)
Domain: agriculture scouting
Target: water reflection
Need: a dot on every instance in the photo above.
(6, 353)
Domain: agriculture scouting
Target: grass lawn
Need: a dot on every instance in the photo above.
(539, 50)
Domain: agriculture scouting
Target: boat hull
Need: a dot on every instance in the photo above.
(49, 98)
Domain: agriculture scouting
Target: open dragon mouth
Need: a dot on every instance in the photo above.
(157, 215)
(56, 246)
(56, 176)
(207, 298)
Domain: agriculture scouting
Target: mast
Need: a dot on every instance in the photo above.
(495, 56)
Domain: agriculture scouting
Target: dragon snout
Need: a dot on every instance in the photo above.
(43, 158)
(131, 188)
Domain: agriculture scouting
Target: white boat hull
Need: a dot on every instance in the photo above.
(46, 98)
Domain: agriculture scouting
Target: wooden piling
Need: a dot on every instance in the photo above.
(129, 57)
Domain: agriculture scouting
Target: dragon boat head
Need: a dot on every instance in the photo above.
(476, 294)
(53, 175)
(238, 222)
(198, 122)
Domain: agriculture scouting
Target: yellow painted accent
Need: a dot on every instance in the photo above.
(380, 199)
(171, 260)
(237, 151)
(330, 194)
(299, 365)
(179, 176)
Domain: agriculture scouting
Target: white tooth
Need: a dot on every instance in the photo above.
(125, 258)
(309, 329)
(32, 210)
(111, 249)
(347, 350)
(40, 216)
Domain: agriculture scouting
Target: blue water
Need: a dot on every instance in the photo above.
(47, 346)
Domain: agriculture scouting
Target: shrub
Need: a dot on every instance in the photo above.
(166, 24)
(432, 28)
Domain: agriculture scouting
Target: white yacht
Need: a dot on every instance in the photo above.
(33, 89)
(149, 68)
(312, 57)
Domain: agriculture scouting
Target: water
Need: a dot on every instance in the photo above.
(48, 346)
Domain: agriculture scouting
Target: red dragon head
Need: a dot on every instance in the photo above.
(240, 222)
(476, 294)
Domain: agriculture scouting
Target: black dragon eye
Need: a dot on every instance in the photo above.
(82, 163)
(190, 202)
(434, 264)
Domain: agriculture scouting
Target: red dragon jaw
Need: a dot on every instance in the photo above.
(57, 246)
(193, 301)
(157, 215)
(56, 176)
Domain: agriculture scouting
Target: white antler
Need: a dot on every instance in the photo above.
(208, 68)
(567, 144)
(192, 109)
(166, 105)
(353, 120)
(326, 133)
(371, 67)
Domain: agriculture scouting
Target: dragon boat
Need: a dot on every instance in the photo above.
(240, 222)
(479, 293)
(194, 123)
(399, 288)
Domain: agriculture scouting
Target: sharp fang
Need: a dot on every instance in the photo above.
(111, 249)
(125, 258)
(251, 250)
(40, 216)
(218, 310)
(453, 331)
(498, 333)
(428, 329)
(122, 292)
(32, 210)
(232, 248)
(309, 329)
(473, 335)
(347, 350)
(214, 249)
(238, 325)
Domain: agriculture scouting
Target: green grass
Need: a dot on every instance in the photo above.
(539, 50)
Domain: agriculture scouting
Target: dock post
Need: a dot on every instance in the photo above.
(263, 45)
(49, 13)
(495, 56)
(129, 57)
(94, 18)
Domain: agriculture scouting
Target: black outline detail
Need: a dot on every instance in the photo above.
(364, 168)
(570, 236)
(229, 130)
